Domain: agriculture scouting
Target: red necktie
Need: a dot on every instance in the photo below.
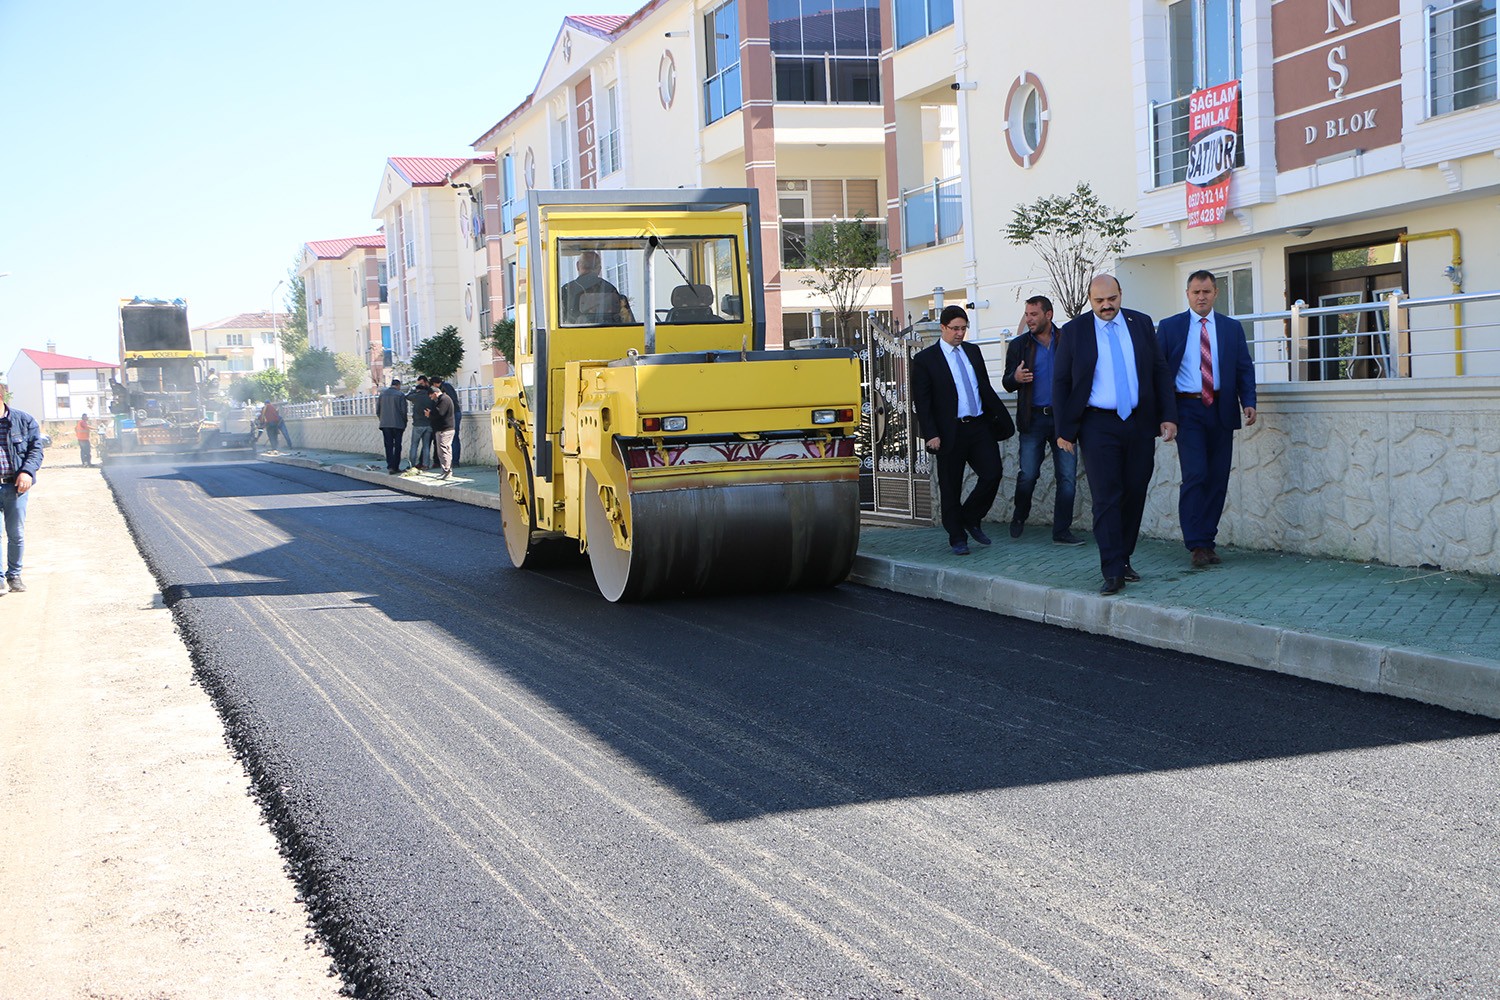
(1206, 362)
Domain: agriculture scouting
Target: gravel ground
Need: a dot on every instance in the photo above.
(135, 862)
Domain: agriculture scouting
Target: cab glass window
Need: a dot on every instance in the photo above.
(693, 279)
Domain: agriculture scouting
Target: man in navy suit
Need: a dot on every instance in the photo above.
(1112, 393)
(1215, 380)
(956, 410)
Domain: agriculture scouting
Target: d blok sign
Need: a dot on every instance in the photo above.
(1213, 143)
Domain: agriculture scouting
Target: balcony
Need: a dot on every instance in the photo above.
(932, 215)
(827, 79)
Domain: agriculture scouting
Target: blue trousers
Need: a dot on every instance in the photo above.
(1205, 451)
(421, 446)
(13, 509)
(1038, 437)
(1119, 456)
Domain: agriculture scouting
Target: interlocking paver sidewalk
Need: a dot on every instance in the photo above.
(1417, 633)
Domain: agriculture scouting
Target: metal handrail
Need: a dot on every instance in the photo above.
(471, 399)
(933, 195)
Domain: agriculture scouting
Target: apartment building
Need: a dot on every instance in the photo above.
(778, 95)
(1322, 151)
(52, 386)
(345, 284)
(432, 223)
(249, 342)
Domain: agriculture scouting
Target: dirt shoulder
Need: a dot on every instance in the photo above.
(133, 861)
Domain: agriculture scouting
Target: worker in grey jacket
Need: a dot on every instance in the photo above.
(390, 411)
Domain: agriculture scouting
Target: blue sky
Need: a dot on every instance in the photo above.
(189, 149)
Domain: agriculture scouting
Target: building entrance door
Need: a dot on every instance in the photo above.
(1354, 344)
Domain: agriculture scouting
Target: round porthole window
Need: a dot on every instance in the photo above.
(1026, 119)
(666, 80)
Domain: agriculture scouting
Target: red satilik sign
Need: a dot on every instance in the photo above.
(1213, 142)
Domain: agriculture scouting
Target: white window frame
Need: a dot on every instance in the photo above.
(609, 133)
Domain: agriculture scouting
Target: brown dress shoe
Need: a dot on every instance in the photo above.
(1213, 557)
(1201, 558)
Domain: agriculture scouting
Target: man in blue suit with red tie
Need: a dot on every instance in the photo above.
(1214, 381)
(1112, 393)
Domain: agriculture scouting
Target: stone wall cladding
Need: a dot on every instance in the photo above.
(1404, 473)
(361, 436)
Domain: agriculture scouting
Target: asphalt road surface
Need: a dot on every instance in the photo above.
(495, 784)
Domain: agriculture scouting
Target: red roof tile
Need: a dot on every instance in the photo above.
(426, 171)
(44, 359)
(598, 24)
(247, 321)
(334, 249)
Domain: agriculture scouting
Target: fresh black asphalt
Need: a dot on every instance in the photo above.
(493, 783)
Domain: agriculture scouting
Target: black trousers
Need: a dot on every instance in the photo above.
(393, 447)
(975, 448)
(1119, 456)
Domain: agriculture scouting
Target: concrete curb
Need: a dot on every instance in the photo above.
(1460, 683)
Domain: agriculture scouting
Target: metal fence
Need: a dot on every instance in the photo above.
(471, 399)
(1394, 337)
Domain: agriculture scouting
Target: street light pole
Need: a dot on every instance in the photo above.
(276, 329)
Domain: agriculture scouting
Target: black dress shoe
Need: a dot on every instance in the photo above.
(1112, 585)
(1130, 575)
(961, 549)
(1016, 528)
(977, 533)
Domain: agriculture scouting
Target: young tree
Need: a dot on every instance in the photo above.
(843, 255)
(294, 332)
(311, 371)
(270, 383)
(502, 338)
(441, 354)
(352, 370)
(1073, 234)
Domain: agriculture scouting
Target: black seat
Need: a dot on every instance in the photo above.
(692, 304)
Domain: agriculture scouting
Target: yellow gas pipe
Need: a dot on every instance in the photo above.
(1458, 286)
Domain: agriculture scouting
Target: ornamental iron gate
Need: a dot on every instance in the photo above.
(895, 469)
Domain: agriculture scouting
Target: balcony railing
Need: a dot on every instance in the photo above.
(1460, 54)
(933, 214)
(1169, 141)
(794, 234)
(827, 79)
(721, 94)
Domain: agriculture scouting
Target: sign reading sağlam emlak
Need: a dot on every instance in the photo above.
(1213, 141)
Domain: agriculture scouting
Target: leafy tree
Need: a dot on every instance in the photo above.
(267, 384)
(311, 371)
(1073, 234)
(294, 333)
(441, 354)
(352, 370)
(843, 254)
(502, 338)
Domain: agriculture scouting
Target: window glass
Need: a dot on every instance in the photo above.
(721, 89)
(694, 280)
(1461, 44)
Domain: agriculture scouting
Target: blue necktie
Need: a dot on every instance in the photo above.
(1122, 380)
(963, 379)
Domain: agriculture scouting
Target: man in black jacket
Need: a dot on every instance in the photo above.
(957, 408)
(1028, 373)
(1112, 393)
(420, 456)
(440, 416)
(458, 415)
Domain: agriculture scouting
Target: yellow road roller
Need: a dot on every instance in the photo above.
(647, 425)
